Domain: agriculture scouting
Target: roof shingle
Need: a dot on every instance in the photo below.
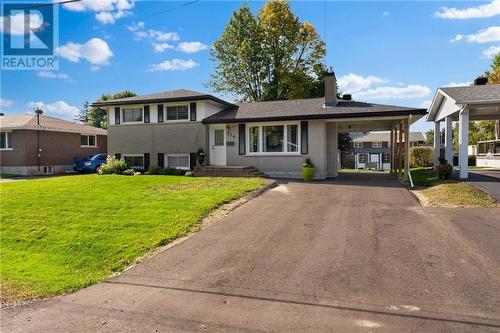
(47, 123)
(485, 93)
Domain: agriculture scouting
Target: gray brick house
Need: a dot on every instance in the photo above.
(167, 129)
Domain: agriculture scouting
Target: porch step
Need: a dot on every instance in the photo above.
(227, 171)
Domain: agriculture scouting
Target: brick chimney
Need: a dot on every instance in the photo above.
(330, 88)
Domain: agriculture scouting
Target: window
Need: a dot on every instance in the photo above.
(273, 139)
(358, 144)
(48, 169)
(219, 137)
(88, 140)
(362, 158)
(178, 161)
(376, 144)
(179, 112)
(134, 161)
(5, 140)
(132, 115)
(386, 158)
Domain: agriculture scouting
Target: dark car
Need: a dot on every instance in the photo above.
(90, 163)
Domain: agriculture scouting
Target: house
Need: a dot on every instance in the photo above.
(39, 144)
(167, 129)
(464, 104)
(372, 150)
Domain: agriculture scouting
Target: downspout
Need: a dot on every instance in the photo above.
(38, 150)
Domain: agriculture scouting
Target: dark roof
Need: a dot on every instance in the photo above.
(474, 94)
(312, 108)
(383, 136)
(167, 96)
(47, 123)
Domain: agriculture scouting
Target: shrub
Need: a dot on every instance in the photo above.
(156, 170)
(128, 172)
(421, 157)
(307, 163)
(471, 160)
(444, 171)
(112, 166)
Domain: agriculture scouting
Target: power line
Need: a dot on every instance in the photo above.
(164, 11)
(50, 4)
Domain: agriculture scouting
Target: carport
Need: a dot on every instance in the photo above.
(462, 104)
(399, 127)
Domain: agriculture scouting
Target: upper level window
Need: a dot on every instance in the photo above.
(358, 144)
(5, 140)
(377, 144)
(132, 115)
(273, 138)
(179, 112)
(88, 140)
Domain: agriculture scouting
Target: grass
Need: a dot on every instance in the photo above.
(63, 233)
(448, 193)
(8, 175)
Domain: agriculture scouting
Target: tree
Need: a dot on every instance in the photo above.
(343, 140)
(429, 136)
(83, 114)
(269, 56)
(97, 116)
(494, 75)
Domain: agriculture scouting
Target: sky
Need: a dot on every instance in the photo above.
(396, 52)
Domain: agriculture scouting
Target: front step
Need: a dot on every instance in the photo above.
(227, 171)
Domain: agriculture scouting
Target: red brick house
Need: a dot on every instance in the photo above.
(33, 145)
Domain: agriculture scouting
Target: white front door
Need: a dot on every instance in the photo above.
(375, 158)
(217, 143)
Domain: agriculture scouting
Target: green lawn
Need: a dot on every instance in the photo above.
(63, 233)
(448, 193)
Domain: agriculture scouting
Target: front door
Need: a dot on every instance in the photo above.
(217, 144)
(375, 158)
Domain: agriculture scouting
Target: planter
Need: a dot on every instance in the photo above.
(308, 173)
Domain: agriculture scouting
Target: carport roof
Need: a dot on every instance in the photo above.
(302, 109)
(474, 94)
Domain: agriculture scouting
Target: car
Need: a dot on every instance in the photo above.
(90, 163)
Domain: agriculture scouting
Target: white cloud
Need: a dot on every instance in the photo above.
(96, 51)
(161, 47)
(491, 34)
(388, 92)
(457, 84)
(52, 75)
(173, 65)
(94, 68)
(107, 11)
(351, 82)
(17, 23)
(482, 11)
(5, 103)
(386, 13)
(163, 36)
(191, 47)
(59, 109)
(135, 26)
(491, 52)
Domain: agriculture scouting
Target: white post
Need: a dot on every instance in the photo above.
(437, 142)
(463, 141)
(448, 150)
(406, 163)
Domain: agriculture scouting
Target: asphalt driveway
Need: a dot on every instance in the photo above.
(356, 254)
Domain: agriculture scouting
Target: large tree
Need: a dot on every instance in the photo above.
(96, 116)
(269, 56)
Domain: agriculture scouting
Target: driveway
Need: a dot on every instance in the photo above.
(357, 254)
(487, 180)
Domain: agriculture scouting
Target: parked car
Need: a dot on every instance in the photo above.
(90, 163)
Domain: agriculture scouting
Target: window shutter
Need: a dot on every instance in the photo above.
(117, 115)
(303, 137)
(192, 160)
(161, 160)
(242, 136)
(160, 113)
(192, 110)
(146, 161)
(118, 156)
(146, 113)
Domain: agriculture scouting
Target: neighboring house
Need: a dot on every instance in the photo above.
(372, 150)
(167, 129)
(38, 144)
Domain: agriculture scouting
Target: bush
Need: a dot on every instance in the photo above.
(444, 171)
(421, 157)
(112, 166)
(471, 160)
(128, 172)
(156, 170)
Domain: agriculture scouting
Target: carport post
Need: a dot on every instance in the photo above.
(463, 141)
(392, 150)
(406, 123)
(437, 143)
(448, 139)
(400, 148)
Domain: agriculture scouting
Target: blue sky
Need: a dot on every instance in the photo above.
(383, 52)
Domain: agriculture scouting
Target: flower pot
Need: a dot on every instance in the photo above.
(308, 173)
